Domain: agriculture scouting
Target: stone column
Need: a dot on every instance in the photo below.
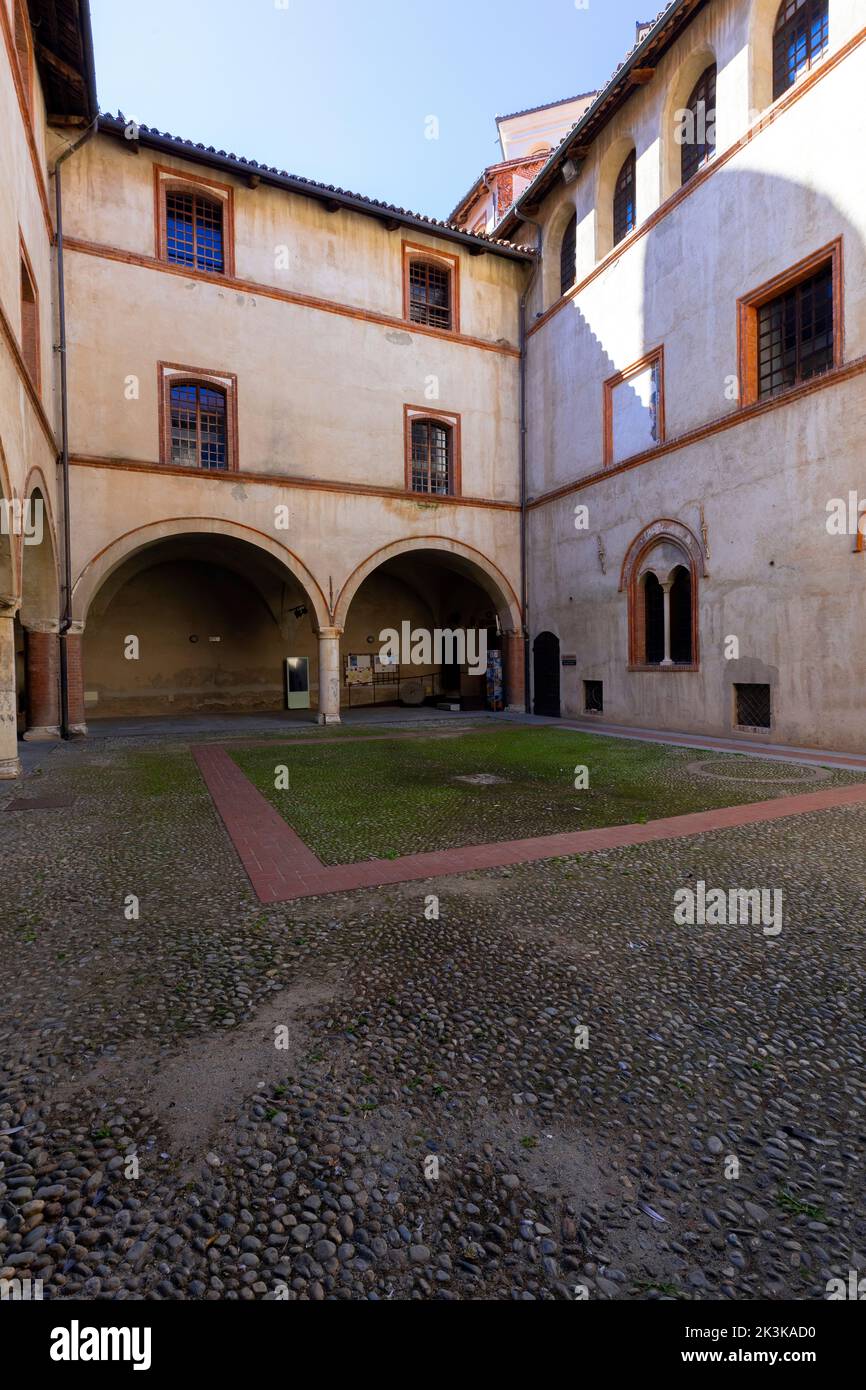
(73, 641)
(514, 673)
(667, 584)
(42, 655)
(10, 764)
(329, 675)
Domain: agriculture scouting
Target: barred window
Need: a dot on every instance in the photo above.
(624, 201)
(801, 37)
(568, 256)
(198, 426)
(699, 132)
(194, 231)
(795, 334)
(429, 294)
(432, 457)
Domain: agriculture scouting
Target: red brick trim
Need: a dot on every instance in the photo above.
(748, 306)
(423, 412)
(281, 868)
(282, 480)
(169, 179)
(175, 374)
(654, 358)
(415, 251)
(305, 301)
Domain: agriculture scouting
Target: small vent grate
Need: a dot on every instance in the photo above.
(593, 697)
(753, 706)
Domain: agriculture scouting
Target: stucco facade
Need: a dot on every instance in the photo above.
(311, 538)
(750, 484)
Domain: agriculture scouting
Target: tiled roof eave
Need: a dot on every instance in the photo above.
(309, 188)
(609, 98)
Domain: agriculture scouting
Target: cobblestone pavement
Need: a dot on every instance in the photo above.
(707, 1142)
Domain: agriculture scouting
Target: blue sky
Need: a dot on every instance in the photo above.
(339, 91)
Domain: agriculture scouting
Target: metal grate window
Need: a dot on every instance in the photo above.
(753, 706)
(194, 231)
(699, 142)
(593, 697)
(429, 294)
(624, 201)
(432, 469)
(795, 334)
(198, 426)
(568, 256)
(801, 37)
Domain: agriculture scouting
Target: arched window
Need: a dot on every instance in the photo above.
(660, 576)
(432, 457)
(699, 124)
(429, 294)
(194, 231)
(801, 36)
(199, 433)
(568, 256)
(654, 620)
(665, 635)
(681, 617)
(624, 200)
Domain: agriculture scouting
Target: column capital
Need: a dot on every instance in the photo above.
(50, 626)
(9, 605)
(75, 629)
(332, 633)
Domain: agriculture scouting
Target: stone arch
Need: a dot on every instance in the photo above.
(679, 91)
(490, 578)
(8, 559)
(102, 565)
(40, 582)
(661, 550)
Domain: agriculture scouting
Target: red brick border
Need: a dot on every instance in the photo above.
(281, 868)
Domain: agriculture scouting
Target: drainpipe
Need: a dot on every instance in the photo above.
(63, 459)
(524, 580)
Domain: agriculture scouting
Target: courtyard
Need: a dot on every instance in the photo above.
(522, 1080)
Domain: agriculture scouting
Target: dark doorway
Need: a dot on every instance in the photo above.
(545, 652)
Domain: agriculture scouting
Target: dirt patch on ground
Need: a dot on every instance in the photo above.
(201, 1088)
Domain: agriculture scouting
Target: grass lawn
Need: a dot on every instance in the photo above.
(385, 799)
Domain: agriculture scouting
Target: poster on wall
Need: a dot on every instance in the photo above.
(359, 670)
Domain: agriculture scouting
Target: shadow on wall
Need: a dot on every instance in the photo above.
(736, 233)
